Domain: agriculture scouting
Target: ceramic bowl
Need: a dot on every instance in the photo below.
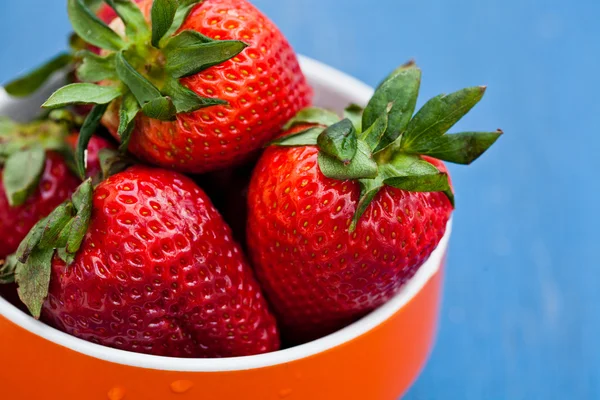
(376, 358)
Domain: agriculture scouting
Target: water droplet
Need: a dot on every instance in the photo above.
(283, 393)
(181, 386)
(116, 393)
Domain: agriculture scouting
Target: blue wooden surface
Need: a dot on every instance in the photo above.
(520, 317)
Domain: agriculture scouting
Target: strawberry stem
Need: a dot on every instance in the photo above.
(390, 141)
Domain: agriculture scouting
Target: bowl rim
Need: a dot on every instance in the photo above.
(317, 73)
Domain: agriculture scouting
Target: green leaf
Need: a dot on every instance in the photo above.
(459, 148)
(63, 237)
(22, 173)
(113, 162)
(161, 108)
(438, 115)
(185, 39)
(163, 14)
(65, 118)
(307, 137)
(413, 174)
(33, 278)
(88, 129)
(91, 29)
(55, 223)
(82, 201)
(143, 90)
(82, 93)
(94, 5)
(61, 231)
(127, 114)
(7, 126)
(375, 132)
(183, 11)
(190, 60)
(44, 133)
(189, 3)
(66, 257)
(31, 241)
(7, 269)
(76, 43)
(131, 15)
(28, 84)
(339, 141)
(187, 101)
(354, 113)
(361, 166)
(313, 115)
(397, 97)
(95, 68)
(368, 190)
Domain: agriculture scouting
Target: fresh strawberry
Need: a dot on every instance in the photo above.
(56, 183)
(34, 174)
(343, 213)
(228, 189)
(34, 177)
(145, 263)
(198, 88)
(95, 145)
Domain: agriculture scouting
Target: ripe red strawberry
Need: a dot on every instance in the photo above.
(211, 89)
(157, 271)
(34, 175)
(228, 190)
(95, 145)
(341, 217)
(56, 184)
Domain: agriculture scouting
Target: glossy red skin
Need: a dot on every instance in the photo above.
(159, 273)
(228, 189)
(56, 185)
(318, 276)
(263, 85)
(93, 160)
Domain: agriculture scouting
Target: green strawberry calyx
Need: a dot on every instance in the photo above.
(383, 144)
(7, 270)
(23, 152)
(61, 233)
(140, 66)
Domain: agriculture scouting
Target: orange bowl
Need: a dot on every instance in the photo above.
(375, 358)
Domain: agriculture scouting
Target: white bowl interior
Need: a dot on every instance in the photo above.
(333, 90)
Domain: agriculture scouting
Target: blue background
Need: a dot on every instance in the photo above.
(520, 317)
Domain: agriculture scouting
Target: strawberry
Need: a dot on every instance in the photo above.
(145, 263)
(95, 146)
(35, 176)
(55, 184)
(228, 189)
(199, 87)
(343, 213)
